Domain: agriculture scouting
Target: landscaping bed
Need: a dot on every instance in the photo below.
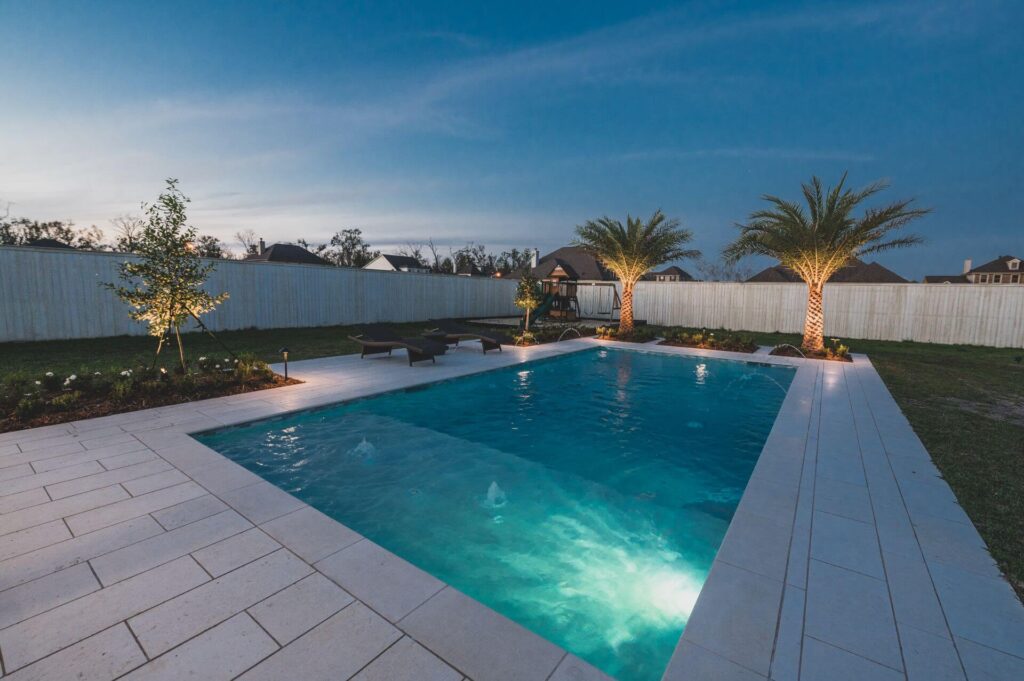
(30, 400)
(729, 341)
(835, 353)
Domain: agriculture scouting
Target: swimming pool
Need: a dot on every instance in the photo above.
(582, 496)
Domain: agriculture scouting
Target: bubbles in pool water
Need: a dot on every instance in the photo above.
(495, 496)
(363, 450)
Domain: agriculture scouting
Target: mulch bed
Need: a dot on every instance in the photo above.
(677, 344)
(103, 406)
(791, 352)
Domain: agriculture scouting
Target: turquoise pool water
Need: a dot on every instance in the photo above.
(583, 496)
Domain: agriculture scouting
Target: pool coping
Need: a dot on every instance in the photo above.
(746, 623)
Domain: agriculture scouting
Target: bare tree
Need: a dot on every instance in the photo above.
(127, 229)
(249, 240)
(711, 270)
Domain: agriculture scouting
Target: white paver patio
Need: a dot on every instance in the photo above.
(129, 550)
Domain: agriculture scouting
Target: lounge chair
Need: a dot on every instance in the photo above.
(451, 331)
(376, 340)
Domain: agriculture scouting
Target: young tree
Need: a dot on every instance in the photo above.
(528, 296)
(164, 286)
(817, 241)
(207, 246)
(630, 251)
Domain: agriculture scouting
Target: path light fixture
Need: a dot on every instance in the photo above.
(284, 354)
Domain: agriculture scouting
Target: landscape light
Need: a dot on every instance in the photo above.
(284, 354)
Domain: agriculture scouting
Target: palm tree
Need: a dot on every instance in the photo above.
(630, 252)
(818, 240)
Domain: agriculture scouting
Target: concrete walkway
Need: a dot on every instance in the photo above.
(127, 549)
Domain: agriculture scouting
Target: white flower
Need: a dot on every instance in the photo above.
(163, 371)
(39, 382)
(126, 372)
(97, 373)
(49, 374)
(217, 367)
(202, 359)
(72, 377)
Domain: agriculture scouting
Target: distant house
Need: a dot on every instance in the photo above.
(1006, 269)
(49, 243)
(285, 253)
(469, 270)
(854, 272)
(672, 273)
(396, 263)
(571, 262)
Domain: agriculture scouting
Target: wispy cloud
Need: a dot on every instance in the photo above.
(769, 153)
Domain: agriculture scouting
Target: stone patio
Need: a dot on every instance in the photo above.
(129, 550)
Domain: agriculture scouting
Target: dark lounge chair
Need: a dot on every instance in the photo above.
(451, 331)
(377, 339)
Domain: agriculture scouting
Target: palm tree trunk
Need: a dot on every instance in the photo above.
(626, 311)
(814, 323)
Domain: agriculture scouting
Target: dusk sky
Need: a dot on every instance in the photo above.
(508, 125)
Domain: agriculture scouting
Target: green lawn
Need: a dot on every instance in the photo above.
(966, 403)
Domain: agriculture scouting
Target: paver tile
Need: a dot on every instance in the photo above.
(786, 657)
(379, 578)
(235, 551)
(131, 560)
(261, 502)
(189, 511)
(824, 662)
(219, 654)
(986, 664)
(43, 634)
(310, 534)
(980, 609)
(913, 596)
(32, 538)
(90, 521)
(693, 663)
(76, 550)
(103, 656)
(181, 618)
(336, 649)
(223, 476)
(44, 513)
(19, 500)
(295, 610)
(98, 477)
(847, 543)
(929, 657)
(151, 483)
(758, 544)
(29, 599)
(480, 642)
(127, 459)
(407, 660)
(36, 480)
(736, 616)
(851, 611)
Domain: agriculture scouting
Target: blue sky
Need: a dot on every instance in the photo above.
(509, 124)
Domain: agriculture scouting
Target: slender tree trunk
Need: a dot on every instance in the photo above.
(814, 323)
(626, 311)
(527, 327)
(181, 350)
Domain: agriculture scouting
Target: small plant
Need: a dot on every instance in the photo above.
(66, 401)
(607, 332)
(525, 338)
(248, 368)
(29, 406)
(51, 382)
(836, 350)
(121, 390)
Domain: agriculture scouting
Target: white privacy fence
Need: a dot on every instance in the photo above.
(52, 294)
(974, 314)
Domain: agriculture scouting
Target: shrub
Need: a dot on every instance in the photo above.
(66, 401)
(51, 382)
(121, 390)
(249, 367)
(29, 406)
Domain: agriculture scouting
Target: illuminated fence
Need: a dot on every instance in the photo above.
(931, 313)
(52, 294)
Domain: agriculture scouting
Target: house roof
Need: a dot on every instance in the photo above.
(672, 271)
(1000, 264)
(48, 243)
(945, 279)
(576, 262)
(403, 261)
(854, 272)
(287, 253)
